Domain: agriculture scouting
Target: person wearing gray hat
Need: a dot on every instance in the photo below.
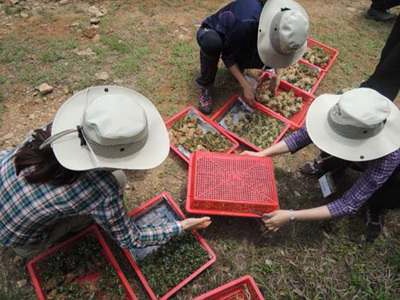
(360, 126)
(69, 173)
(246, 34)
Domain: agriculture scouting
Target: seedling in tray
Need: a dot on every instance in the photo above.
(172, 263)
(301, 75)
(191, 132)
(255, 126)
(317, 56)
(77, 269)
(286, 102)
(163, 270)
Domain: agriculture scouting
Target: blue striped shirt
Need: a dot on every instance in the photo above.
(27, 211)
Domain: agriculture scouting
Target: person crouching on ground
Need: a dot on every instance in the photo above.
(247, 35)
(68, 174)
(360, 127)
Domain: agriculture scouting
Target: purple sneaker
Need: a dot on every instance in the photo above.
(205, 101)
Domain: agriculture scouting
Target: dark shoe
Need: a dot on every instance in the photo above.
(375, 222)
(205, 101)
(379, 15)
(312, 168)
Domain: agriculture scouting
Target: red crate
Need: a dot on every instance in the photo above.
(170, 122)
(228, 106)
(297, 120)
(332, 52)
(231, 185)
(321, 75)
(92, 230)
(235, 289)
(144, 208)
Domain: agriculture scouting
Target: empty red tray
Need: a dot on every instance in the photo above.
(68, 244)
(332, 52)
(145, 208)
(231, 185)
(170, 122)
(297, 120)
(220, 114)
(242, 288)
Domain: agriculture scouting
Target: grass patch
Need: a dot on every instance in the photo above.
(132, 62)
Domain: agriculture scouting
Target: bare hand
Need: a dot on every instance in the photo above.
(195, 223)
(273, 221)
(249, 97)
(274, 84)
(252, 153)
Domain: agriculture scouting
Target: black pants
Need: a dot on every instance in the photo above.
(386, 77)
(384, 4)
(209, 61)
(384, 198)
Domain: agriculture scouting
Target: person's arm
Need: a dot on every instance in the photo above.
(291, 143)
(273, 221)
(279, 148)
(372, 179)
(248, 92)
(112, 216)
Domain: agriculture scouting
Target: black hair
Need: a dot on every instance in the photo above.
(46, 168)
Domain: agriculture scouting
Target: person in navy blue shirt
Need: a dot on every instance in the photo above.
(230, 33)
(240, 33)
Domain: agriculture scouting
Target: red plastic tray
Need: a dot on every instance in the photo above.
(145, 207)
(321, 75)
(170, 122)
(228, 105)
(234, 290)
(297, 120)
(93, 230)
(231, 185)
(333, 53)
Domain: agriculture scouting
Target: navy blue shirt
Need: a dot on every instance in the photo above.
(237, 25)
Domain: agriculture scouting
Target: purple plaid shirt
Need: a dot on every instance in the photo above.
(375, 175)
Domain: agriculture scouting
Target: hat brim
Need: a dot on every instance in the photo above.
(267, 54)
(73, 156)
(326, 139)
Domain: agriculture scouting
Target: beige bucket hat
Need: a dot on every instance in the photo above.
(282, 33)
(359, 125)
(108, 127)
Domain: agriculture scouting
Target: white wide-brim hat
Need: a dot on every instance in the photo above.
(282, 33)
(122, 130)
(359, 125)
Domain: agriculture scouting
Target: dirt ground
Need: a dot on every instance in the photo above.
(150, 46)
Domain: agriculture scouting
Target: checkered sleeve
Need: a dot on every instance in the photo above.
(377, 173)
(112, 216)
(297, 140)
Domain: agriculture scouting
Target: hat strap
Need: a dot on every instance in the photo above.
(52, 138)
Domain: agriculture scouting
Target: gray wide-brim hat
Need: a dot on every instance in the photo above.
(282, 33)
(359, 125)
(108, 127)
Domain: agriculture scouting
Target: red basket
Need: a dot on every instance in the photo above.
(332, 52)
(228, 106)
(235, 289)
(311, 92)
(297, 120)
(231, 185)
(92, 230)
(170, 122)
(144, 208)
